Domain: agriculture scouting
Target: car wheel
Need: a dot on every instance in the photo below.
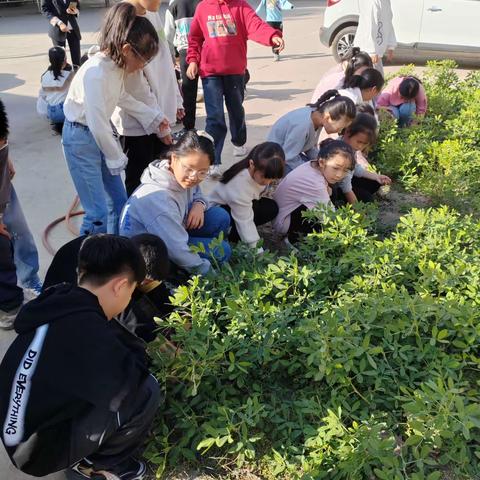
(343, 42)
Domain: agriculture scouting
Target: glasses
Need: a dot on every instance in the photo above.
(191, 173)
(140, 56)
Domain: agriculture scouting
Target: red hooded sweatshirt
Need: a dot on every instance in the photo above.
(218, 36)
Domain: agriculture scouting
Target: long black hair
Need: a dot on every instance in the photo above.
(3, 122)
(121, 26)
(409, 87)
(267, 157)
(355, 59)
(191, 141)
(56, 56)
(369, 78)
(336, 105)
(330, 148)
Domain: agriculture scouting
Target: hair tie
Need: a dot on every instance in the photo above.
(204, 134)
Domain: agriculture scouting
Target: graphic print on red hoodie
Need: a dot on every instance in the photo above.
(219, 33)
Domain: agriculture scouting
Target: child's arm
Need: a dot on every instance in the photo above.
(42, 105)
(421, 101)
(195, 44)
(170, 29)
(381, 179)
(383, 101)
(258, 30)
(95, 91)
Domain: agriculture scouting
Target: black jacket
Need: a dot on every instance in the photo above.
(58, 8)
(67, 361)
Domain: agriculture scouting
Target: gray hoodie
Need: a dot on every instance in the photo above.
(160, 206)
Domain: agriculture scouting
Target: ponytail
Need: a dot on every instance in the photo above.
(267, 157)
(356, 59)
(121, 26)
(336, 105)
(56, 56)
(369, 78)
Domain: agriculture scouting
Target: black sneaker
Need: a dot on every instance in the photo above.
(129, 470)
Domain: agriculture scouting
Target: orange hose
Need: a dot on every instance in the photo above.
(67, 218)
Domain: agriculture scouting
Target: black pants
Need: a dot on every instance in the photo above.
(74, 45)
(364, 188)
(141, 151)
(300, 226)
(123, 434)
(189, 92)
(11, 296)
(276, 26)
(264, 211)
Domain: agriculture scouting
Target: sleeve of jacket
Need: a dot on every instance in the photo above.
(199, 197)
(293, 143)
(195, 40)
(170, 229)
(384, 99)
(148, 114)
(421, 101)
(95, 90)
(368, 28)
(258, 30)
(48, 9)
(392, 39)
(242, 214)
(170, 28)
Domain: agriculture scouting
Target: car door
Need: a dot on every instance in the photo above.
(407, 19)
(450, 25)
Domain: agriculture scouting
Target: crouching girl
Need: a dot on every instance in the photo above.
(309, 185)
(241, 187)
(169, 203)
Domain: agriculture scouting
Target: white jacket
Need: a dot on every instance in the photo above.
(156, 85)
(375, 34)
(239, 194)
(95, 91)
(53, 92)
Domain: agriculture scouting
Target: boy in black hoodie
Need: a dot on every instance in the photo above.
(74, 392)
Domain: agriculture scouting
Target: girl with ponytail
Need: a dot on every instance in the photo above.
(94, 156)
(352, 64)
(240, 191)
(297, 132)
(363, 87)
(54, 88)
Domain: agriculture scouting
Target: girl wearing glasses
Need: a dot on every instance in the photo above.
(94, 156)
(169, 203)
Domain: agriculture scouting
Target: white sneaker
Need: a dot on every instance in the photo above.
(7, 318)
(215, 171)
(240, 151)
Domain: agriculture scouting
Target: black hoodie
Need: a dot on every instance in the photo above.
(66, 361)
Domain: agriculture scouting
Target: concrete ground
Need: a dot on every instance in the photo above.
(42, 180)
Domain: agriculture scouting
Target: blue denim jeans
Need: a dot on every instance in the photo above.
(216, 220)
(24, 248)
(55, 113)
(215, 89)
(102, 195)
(403, 113)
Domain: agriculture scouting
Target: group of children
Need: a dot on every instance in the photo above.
(90, 325)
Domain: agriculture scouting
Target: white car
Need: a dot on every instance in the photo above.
(424, 28)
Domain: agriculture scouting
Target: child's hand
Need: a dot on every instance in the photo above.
(278, 44)
(374, 58)
(180, 113)
(64, 28)
(4, 231)
(192, 71)
(196, 216)
(164, 126)
(384, 180)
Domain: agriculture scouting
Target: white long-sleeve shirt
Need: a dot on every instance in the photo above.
(239, 194)
(375, 33)
(156, 86)
(97, 88)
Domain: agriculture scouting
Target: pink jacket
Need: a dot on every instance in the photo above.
(391, 96)
(304, 185)
(332, 79)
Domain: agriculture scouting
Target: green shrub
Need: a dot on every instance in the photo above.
(355, 358)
